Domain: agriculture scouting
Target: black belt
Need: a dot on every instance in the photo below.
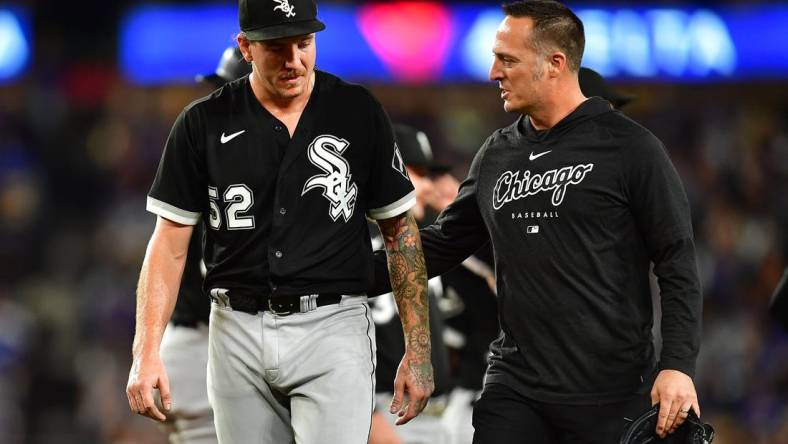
(278, 305)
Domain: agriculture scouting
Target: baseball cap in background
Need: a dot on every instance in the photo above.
(416, 150)
(593, 84)
(231, 66)
(276, 19)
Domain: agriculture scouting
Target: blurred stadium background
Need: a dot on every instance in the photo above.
(89, 90)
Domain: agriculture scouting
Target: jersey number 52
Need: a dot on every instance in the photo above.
(240, 200)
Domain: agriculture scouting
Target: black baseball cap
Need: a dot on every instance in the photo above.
(276, 19)
(593, 84)
(416, 150)
(231, 66)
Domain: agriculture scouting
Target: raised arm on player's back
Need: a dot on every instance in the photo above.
(157, 291)
(409, 284)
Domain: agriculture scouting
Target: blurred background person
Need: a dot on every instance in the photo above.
(592, 84)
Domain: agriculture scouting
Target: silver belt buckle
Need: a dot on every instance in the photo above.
(278, 313)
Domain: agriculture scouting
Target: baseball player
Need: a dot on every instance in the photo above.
(282, 167)
(184, 346)
(576, 200)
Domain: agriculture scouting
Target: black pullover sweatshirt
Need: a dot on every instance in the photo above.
(576, 214)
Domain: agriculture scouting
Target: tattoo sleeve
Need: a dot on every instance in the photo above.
(408, 274)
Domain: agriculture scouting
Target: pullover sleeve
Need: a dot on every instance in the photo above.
(661, 210)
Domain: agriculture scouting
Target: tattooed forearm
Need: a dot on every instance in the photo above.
(409, 283)
(419, 340)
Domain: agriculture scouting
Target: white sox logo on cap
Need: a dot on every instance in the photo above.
(286, 7)
(325, 153)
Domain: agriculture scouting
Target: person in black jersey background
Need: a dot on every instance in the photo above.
(577, 201)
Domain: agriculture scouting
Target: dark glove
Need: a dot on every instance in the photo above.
(643, 430)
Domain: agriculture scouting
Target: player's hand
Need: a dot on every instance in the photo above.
(675, 393)
(414, 380)
(147, 374)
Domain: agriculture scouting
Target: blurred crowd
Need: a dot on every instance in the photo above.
(78, 154)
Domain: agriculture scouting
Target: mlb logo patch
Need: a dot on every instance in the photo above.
(532, 229)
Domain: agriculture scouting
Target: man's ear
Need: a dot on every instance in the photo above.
(557, 64)
(245, 46)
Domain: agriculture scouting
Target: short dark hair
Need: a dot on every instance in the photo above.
(555, 26)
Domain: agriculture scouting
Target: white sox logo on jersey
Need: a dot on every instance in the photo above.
(510, 186)
(286, 7)
(325, 153)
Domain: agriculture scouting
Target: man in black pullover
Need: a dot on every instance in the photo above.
(577, 200)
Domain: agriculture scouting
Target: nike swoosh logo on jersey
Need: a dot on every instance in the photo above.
(232, 136)
(533, 156)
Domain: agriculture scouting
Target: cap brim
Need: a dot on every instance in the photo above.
(211, 79)
(285, 30)
(620, 100)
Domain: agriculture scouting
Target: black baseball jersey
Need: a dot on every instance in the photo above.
(575, 215)
(283, 216)
(471, 311)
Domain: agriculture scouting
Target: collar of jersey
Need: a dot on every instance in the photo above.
(590, 108)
